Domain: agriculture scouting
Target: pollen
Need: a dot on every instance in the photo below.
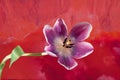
(68, 42)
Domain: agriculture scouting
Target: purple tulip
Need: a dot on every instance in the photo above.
(68, 46)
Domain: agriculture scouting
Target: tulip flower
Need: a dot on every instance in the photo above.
(68, 46)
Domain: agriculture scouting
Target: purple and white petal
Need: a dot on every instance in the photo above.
(60, 27)
(50, 50)
(49, 34)
(82, 49)
(81, 31)
(68, 62)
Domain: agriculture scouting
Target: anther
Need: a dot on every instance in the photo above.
(67, 43)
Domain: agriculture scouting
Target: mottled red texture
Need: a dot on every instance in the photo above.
(22, 21)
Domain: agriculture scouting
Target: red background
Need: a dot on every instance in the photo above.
(22, 21)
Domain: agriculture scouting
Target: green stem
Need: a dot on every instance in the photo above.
(6, 58)
(35, 54)
(2, 64)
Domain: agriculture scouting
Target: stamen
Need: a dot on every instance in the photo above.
(69, 46)
(67, 43)
(64, 42)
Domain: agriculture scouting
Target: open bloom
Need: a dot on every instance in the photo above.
(68, 46)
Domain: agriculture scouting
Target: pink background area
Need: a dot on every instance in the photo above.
(22, 21)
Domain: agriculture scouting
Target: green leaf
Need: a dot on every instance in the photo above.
(16, 54)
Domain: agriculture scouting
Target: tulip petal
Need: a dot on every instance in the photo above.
(82, 49)
(50, 50)
(68, 62)
(81, 31)
(60, 27)
(49, 34)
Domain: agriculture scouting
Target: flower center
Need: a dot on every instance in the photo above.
(63, 48)
(67, 43)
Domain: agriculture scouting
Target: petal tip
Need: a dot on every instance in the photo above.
(81, 31)
(70, 67)
(46, 27)
(49, 34)
(90, 51)
(82, 50)
(60, 22)
(88, 25)
(59, 19)
(60, 27)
